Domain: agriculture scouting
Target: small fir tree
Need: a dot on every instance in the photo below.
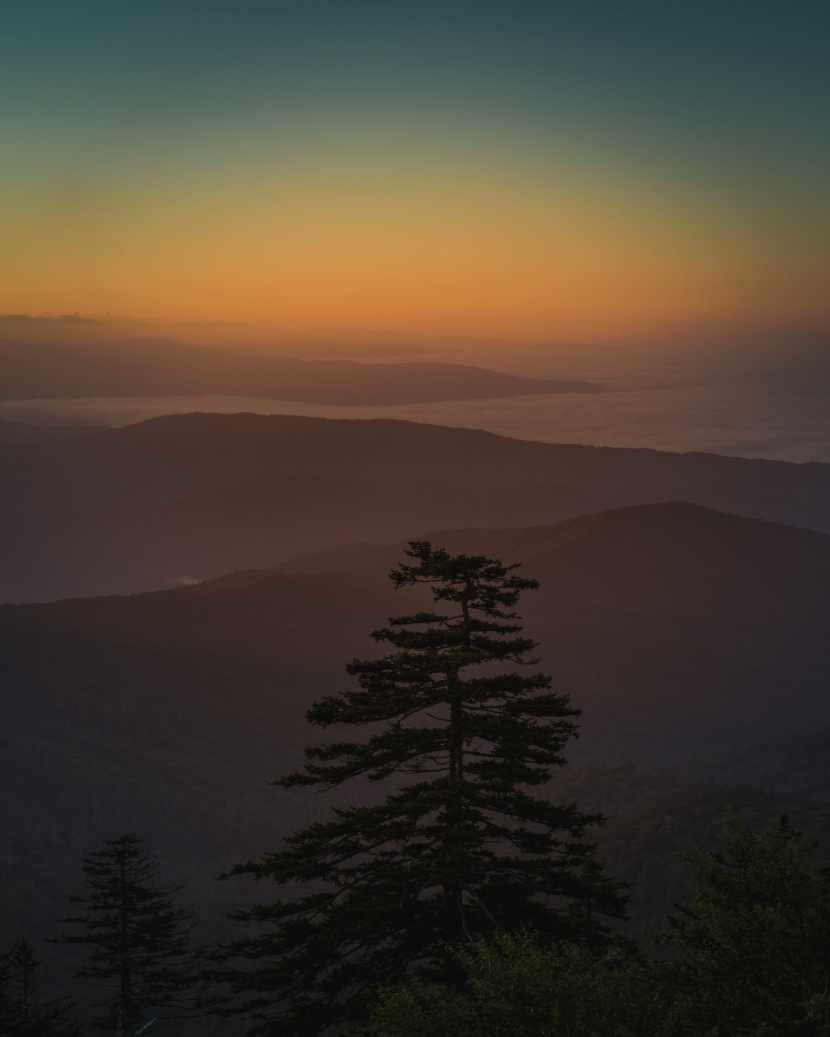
(463, 850)
(22, 1014)
(137, 938)
(23, 966)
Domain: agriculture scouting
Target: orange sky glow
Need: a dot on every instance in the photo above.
(490, 177)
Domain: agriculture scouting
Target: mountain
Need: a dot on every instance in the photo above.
(677, 630)
(85, 551)
(674, 558)
(193, 496)
(160, 367)
(705, 627)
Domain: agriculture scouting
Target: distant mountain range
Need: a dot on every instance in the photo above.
(155, 367)
(679, 631)
(189, 497)
(252, 339)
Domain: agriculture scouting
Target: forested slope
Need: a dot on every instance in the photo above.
(169, 712)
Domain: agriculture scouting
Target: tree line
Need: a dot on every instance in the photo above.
(462, 901)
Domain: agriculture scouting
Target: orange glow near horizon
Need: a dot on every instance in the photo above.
(480, 169)
(456, 247)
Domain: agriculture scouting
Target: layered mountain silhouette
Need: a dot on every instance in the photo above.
(193, 496)
(160, 367)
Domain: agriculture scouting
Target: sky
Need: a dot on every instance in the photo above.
(464, 165)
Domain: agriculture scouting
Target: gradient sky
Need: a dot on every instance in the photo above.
(468, 164)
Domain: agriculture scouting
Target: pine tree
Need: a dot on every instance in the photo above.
(137, 938)
(21, 1013)
(463, 850)
(23, 965)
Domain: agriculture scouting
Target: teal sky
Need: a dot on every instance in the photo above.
(718, 108)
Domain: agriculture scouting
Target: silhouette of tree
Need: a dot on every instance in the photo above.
(463, 850)
(137, 938)
(21, 1014)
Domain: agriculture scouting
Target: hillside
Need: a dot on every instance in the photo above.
(676, 628)
(168, 712)
(791, 762)
(673, 559)
(104, 550)
(193, 496)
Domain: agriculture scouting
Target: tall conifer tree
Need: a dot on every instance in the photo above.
(460, 848)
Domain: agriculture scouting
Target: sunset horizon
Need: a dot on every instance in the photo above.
(367, 165)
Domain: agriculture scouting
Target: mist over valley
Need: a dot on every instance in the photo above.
(745, 393)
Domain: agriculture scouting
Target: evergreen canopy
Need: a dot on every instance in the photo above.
(460, 848)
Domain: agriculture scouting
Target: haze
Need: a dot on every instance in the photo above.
(748, 391)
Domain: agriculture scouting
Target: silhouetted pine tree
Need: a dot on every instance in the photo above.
(463, 850)
(137, 938)
(21, 1013)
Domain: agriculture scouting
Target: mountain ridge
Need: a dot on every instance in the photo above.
(657, 609)
(191, 496)
(165, 367)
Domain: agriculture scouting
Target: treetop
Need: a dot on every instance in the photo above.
(474, 581)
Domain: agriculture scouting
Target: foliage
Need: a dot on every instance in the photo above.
(463, 851)
(21, 1013)
(751, 958)
(137, 939)
(753, 948)
(515, 988)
